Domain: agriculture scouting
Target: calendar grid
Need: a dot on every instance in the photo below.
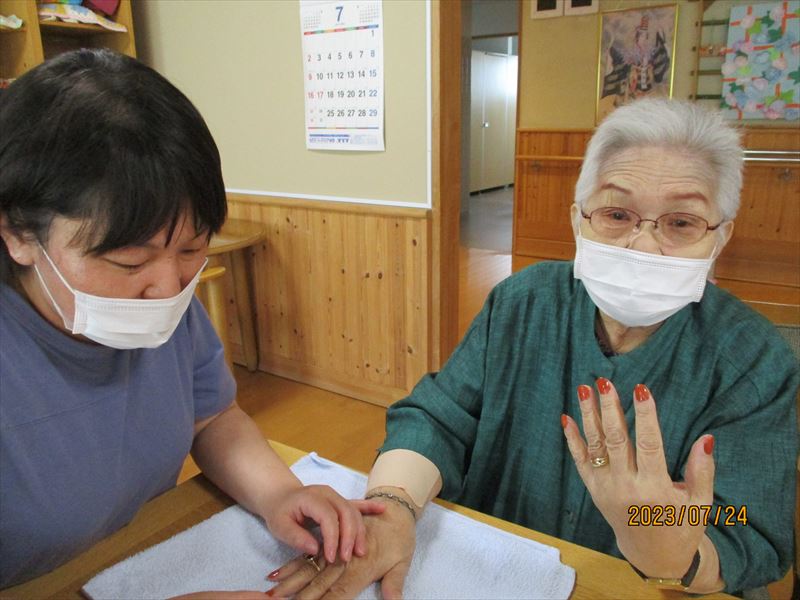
(343, 74)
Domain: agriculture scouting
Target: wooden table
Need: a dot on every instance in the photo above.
(599, 576)
(235, 237)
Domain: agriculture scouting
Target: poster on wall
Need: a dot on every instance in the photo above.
(761, 72)
(343, 74)
(636, 57)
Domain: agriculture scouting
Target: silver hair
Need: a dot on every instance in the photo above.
(671, 124)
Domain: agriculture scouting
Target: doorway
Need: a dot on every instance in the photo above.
(488, 140)
(487, 218)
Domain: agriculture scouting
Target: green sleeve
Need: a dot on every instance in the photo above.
(755, 455)
(440, 418)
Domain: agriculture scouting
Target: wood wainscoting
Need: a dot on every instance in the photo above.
(547, 167)
(761, 264)
(341, 294)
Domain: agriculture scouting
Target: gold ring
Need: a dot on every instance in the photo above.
(312, 561)
(600, 461)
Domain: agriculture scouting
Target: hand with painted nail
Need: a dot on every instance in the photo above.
(619, 474)
(390, 543)
(340, 522)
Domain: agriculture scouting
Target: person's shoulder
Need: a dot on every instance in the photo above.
(18, 320)
(744, 339)
(196, 333)
(197, 321)
(728, 317)
(546, 279)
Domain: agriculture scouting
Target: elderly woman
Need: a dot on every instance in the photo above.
(695, 393)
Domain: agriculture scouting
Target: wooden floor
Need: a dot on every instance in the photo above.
(344, 430)
(479, 271)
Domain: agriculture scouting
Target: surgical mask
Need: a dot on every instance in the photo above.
(121, 323)
(636, 288)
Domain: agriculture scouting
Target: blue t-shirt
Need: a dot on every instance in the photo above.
(89, 433)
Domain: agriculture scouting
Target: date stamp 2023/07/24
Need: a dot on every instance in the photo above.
(646, 515)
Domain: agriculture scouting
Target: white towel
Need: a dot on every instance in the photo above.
(456, 557)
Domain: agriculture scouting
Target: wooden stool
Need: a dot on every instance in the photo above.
(236, 237)
(214, 291)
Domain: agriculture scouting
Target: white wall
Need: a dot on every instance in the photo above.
(240, 62)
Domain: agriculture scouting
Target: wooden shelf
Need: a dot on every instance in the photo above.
(38, 40)
(76, 28)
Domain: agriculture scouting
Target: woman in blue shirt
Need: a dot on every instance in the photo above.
(110, 187)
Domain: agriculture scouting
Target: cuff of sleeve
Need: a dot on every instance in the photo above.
(407, 470)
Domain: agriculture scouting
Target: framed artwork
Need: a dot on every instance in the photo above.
(580, 7)
(636, 56)
(545, 9)
(761, 72)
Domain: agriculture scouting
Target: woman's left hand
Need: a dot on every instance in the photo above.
(339, 521)
(638, 476)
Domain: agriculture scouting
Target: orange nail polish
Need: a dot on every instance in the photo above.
(708, 444)
(603, 385)
(274, 574)
(641, 393)
(269, 592)
(584, 392)
(564, 421)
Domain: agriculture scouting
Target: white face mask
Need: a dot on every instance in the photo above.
(638, 288)
(121, 323)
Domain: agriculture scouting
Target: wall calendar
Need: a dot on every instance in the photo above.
(343, 74)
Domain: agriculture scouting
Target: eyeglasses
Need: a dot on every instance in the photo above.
(676, 229)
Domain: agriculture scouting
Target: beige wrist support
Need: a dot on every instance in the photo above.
(408, 470)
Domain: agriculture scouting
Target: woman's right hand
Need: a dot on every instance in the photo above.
(391, 538)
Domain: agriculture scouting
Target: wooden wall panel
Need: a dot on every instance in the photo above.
(556, 142)
(341, 295)
(547, 167)
(772, 139)
(761, 264)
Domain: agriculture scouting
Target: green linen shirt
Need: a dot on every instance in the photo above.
(490, 420)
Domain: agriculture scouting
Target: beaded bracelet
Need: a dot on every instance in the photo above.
(396, 499)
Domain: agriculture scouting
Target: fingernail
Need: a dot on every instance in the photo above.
(641, 393)
(274, 574)
(603, 385)
(564, 421)
(584, 392)
(270, 592)
(708, 444)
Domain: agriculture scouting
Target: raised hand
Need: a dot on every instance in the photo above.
(620, 475)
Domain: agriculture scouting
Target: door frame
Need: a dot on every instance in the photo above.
(450, 57)
(447, 78)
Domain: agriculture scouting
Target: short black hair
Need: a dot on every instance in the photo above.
(98, 136)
